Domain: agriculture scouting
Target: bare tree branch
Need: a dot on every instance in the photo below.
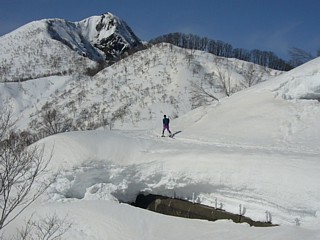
(299, 56)
(20, 168)
(48, 228)
(200, 95)
(223, 73)
(6, 122)
(251, 74)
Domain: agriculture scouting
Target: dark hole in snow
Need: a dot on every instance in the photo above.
(311, 96)
(186, 209)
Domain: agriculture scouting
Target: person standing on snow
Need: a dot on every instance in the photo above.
(165, 122)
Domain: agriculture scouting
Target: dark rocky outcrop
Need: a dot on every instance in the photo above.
(122, 39)
(100, 38)
(186, 209)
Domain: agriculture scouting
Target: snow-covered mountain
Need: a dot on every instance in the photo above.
(136, 90)
(107, 33)
(59, 47)
(257, 146)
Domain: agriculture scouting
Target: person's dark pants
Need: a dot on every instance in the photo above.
(166, 127)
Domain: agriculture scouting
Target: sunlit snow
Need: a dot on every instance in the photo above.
(259, 148)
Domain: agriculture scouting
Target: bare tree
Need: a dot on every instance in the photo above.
(299, 56)
(51, 121)
(20, 168)
(223, 74)
(251, 74)
(118, 114)
(49, 228)
(201, 95)
(6, 122)
(189, 57)
(222, 49)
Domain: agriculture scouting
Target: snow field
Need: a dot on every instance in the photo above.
(259, 148)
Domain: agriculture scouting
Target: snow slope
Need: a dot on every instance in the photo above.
(29, 52)
(258, 148)
(146, 85)
(59, 47)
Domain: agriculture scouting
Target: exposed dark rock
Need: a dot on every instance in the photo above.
(111, 38)
(186, 209)
(121, 40)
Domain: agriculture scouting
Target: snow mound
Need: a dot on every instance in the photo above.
(302, 82)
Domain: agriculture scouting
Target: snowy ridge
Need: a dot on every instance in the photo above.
(98, 37)
(146, 85)
(59, 47)
(70, 34)
(30, 52)
(102, 30)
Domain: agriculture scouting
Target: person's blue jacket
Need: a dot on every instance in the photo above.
(166, 121)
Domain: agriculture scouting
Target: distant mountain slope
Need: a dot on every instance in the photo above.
(30, 52)
(59, 47)
(136, 91)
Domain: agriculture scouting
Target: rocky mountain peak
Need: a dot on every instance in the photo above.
(61, 46)
(109, 34)
(99, 37)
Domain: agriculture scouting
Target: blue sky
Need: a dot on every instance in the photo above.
(272, 25)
